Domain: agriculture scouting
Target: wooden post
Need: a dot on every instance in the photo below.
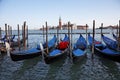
(86, 36)
(24, 35)
(119, 37)
(46, 38)
(101, 31)
(27, 35)
(93, 38)
(6, 33)
(119, 28)
(58, 34)
(11, 31)
(0, 33)
(9, 34)
(43, 34)
(18, 37)
(69, 40)
(117, 31)
(59, 28)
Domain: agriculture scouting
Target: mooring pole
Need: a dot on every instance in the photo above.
(101, 31)
(46, 38)
(69, 40)
(11, 31)
(43, 35)
(9, 34)
(57, 34)
(6, 33)
(27, 35)
(0, 33)
(86, 35)
(119, 37)
(24, 34)
(117, 31)
(18, 37)
(93, 39)
(59, 28)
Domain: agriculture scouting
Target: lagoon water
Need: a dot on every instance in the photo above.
(35, 69)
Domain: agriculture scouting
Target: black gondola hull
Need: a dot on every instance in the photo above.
(115, 57)
(18, 57)
(51, 59)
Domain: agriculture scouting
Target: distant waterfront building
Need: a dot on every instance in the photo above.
(82, 27)
(49, 27)
(65, 26)
(110, 27)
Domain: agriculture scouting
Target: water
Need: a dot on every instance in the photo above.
(64, 69)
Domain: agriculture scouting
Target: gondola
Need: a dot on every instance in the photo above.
(59, 52)
(112, 44)
(4, 39)
(13, 42)
(31, 53)
(79, 49)
(104, 51)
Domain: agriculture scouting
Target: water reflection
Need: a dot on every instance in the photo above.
(26, 66)
(54, 69)
(111, 68)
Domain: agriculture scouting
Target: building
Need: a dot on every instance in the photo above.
(74, 26)
(82, 27)
(110, 27)
(65, 26)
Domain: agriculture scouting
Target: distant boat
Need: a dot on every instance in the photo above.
(31, 53)
(104, 51)
(59, 52)
(79, 49)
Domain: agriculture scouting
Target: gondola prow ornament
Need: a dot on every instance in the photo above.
(7, 48)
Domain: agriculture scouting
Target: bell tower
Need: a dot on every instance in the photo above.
(60, 23)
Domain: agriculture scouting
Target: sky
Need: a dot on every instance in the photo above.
(37, 12)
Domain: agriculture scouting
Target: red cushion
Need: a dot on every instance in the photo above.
(97, 42)
(63, 45)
